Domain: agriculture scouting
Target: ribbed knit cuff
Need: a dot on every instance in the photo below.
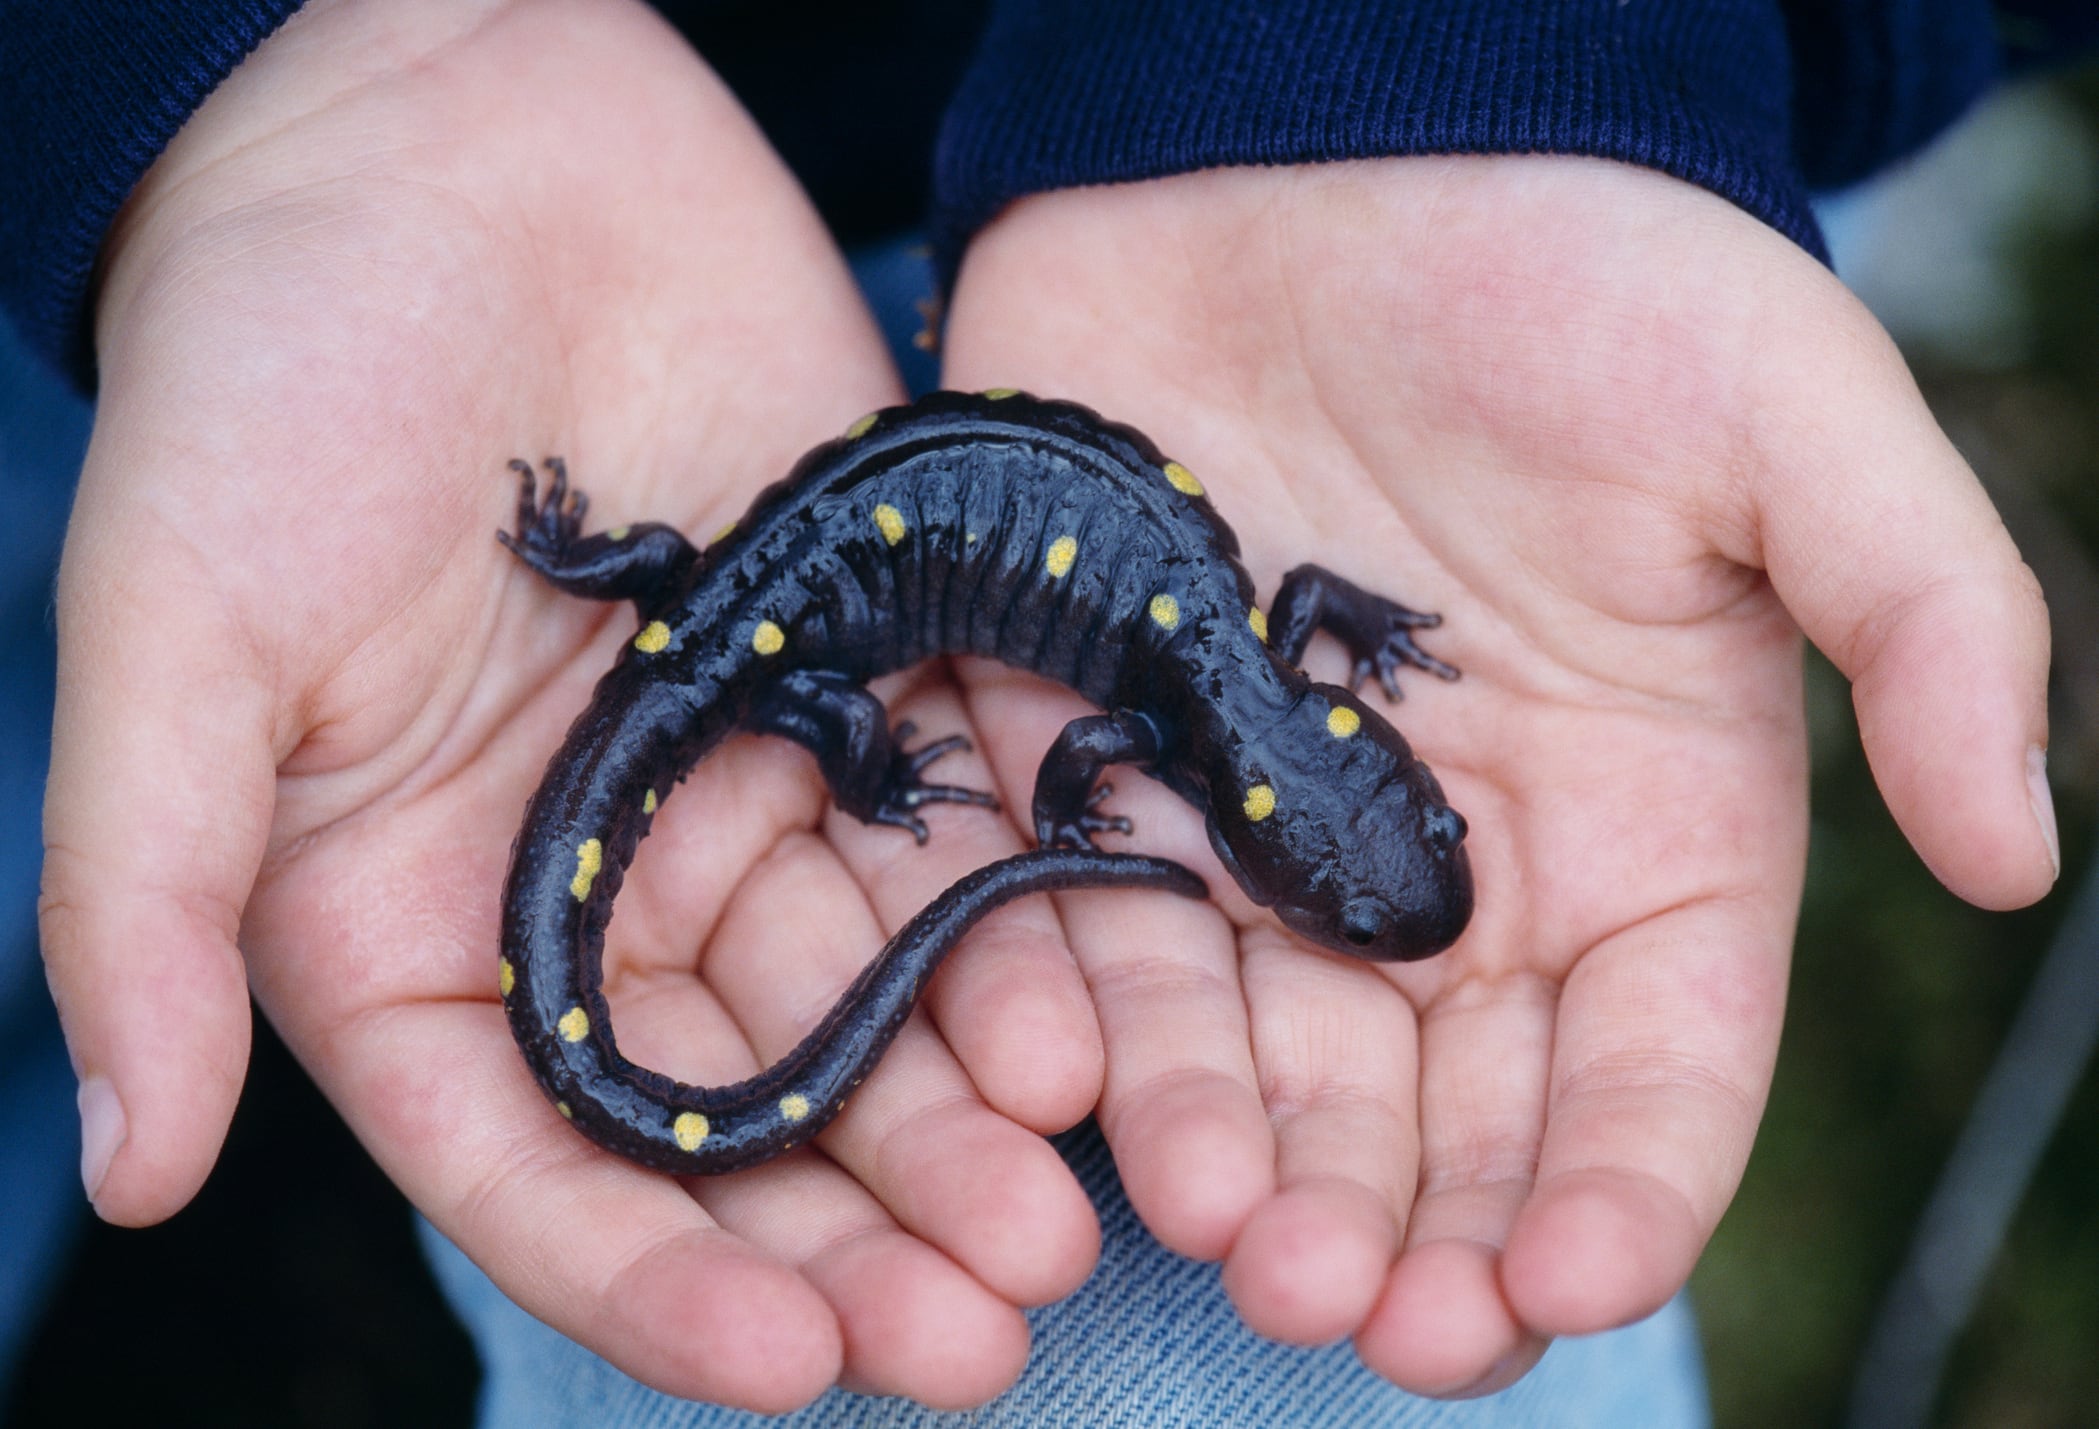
(99, 87)
(1070, 92)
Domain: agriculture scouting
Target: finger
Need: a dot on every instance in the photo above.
(156, 818)
(1442, 1326)
(991, 1194)
(1011, 1004)
(709, 833)
(617, 1258)
(392, 1003)
(760, 1299)
(1666, 1038)
(911, 1319)
(1882, 544)
(914, 1322)
(1334, 1043)
(1181, 1103)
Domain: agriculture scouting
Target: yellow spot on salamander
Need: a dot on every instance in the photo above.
(590, 857)
(648, 802)
(890, 522)
(1260, 802)
(567, 1113)
(1000, 394)
(689, 1130)
(862, 427)
(1062, 552)
(654, 636)
(1341, 721)
(794, 1106)
(1258, 623)
(724, 534)
(618, 533)
(506, 975)
(768, 638)
(1182, 480)
(1165, 611)
(574, 1025)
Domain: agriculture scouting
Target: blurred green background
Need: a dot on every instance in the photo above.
(291, 1293)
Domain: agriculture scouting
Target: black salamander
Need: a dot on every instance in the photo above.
(994, 524)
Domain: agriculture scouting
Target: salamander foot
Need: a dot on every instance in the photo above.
(545, 529)
(1377, 633)
(1076, 831)
(1385, 654)
(903, 792)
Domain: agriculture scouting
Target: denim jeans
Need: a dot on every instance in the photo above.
(1149, 1340)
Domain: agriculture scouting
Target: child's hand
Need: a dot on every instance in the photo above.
(304, 694)
(1629, 442)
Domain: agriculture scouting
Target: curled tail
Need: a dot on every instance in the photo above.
(580, 833)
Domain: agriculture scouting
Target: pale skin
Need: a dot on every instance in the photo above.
(1630, 442)
(1627, 439)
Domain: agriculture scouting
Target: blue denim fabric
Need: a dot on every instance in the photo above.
(1150, 1340)
(43, 431)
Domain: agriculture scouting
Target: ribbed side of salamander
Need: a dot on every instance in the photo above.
(1031, 532)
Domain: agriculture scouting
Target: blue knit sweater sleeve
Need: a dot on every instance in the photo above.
(1753, 99)
(94, 91)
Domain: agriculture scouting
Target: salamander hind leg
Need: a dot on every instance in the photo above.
(1068, 791)
(872, 776)
(636, 563)
(1377, 633)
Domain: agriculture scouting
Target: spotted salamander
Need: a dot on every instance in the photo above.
(994, 524)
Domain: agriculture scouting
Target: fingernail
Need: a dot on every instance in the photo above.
(2043, 803)
(101, 1131)
(1506, 1371)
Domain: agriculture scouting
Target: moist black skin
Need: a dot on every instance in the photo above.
(992, 524)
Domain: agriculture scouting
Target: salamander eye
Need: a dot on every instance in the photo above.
(1443, 828)
(1361, 921)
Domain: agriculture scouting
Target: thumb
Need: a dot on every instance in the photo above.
(156, 817)
(1885, 548)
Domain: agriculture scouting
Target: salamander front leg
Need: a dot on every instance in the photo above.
(1067, 791)
(636, 563)
(1377, 632)
(870, 773)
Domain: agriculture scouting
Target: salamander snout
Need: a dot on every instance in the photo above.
(1387, 897)
(1346, 835)
(1442, 901)
(1399, 883)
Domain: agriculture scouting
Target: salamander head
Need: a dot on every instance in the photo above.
(1334, 823)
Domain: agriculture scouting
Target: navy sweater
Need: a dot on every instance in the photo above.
(1756, 100)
